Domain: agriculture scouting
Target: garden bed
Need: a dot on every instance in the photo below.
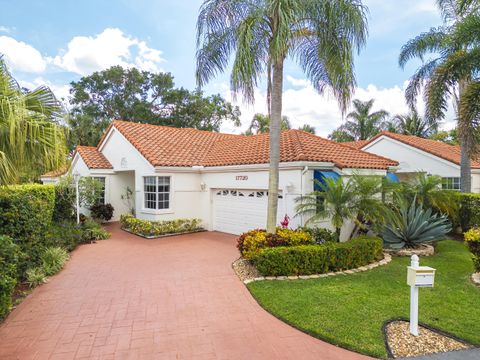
(158, 229)
(164, 235)
(421, 250)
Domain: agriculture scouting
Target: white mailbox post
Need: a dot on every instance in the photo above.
(417, 277)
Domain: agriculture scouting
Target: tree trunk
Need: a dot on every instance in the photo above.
(466, 145)
(275, 124)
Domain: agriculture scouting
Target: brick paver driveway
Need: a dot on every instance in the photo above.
(170, 298)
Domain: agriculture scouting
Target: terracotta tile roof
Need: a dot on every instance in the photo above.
(55, 173)
(438, 148)
(356, 144)
(167, 146)
(93, 158)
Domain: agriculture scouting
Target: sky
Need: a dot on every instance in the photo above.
(56, 42)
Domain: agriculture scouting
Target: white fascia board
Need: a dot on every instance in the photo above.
(364, 172)
(426, 153)
(102, 171)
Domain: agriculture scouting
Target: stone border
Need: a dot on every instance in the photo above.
(424, 250)
(386, 259)
(476, 278)
(164, 235)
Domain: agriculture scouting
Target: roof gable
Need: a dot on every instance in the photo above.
(93, 158)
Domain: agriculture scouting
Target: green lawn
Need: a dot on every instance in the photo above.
(349, 311)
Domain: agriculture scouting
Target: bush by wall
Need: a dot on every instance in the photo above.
(65, 199)
(158, 228)
(321, 235)
(252, 242)
(472, 238)
(102, 212)
(318, 259)
(9, 256)
(469, 211)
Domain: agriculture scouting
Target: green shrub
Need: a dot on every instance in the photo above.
(103, 212)
(9, 256)
(472, 238)
(158, 228)
(93, 231)
(251, 242)
(321, 235)
(66, 234)
(65, 199)
(36, 276)
(26, 217)
(53, 260)
(318, 259)
(469, 211)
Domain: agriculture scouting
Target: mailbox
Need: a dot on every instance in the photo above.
(420, 276)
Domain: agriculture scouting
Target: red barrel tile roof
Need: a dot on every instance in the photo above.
(93, 158)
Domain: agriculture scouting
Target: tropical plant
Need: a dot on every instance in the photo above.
(30, 137)
(321, 36)
(261, 124)
(410, 225)
(102, 212)
(36, 276)
(320, 235)
(448, 73)
(307, 128)
(414, 124)
(53, 259)
(90, 191)
(472, 239)
(362, 123)
(65, 198)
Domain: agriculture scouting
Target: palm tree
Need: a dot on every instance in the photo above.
(307, 128)
(414, 124)
(261, 124)
(361, 124)
(29, 134)
(444, 75)
(322, 36)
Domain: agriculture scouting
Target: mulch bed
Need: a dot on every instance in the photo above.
(245, 269)
(403, 344)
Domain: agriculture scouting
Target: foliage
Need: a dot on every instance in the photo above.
(65, 198)
(128, 199)
(472, 238)
(158, 228)
(414, 124)
(103, 212)
(36, 276)
(307, 128)
(260, 124)
(65, 234)
(90, 191)
(322, 307)
(469, 211)
(27, 212)
(411, 225)
(9, 257)
(362, 123)
(449, 137)
(318, 259)
(93, 231)
(321, 235)
(141, 96)
(53, 259)
(252, 242)
(31, 141)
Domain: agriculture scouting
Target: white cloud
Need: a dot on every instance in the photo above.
(86, 54)
(60, 91)
(303, 105)
(21, 56)
(5, 29)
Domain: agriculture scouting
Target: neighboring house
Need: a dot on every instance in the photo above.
(416, 154)
(219, 178)
(53, 177)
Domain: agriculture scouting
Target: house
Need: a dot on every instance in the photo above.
(416, 154)
(220, 178)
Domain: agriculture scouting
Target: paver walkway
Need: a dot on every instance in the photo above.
(170, 298)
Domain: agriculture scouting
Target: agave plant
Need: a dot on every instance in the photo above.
(411, 225)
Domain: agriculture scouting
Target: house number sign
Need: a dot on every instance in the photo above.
(241, 178)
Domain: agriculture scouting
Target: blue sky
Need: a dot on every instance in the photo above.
(56, 42)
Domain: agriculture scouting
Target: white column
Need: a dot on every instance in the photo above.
(414, 301)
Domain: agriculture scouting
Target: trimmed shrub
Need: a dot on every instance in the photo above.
(93, 231)
(321, 235)
(9, 256)
(36, 276)
(251, 242)
(158, 228)
(66, 234)
(53, 260)
(65, 198)
(103, 212)
(26, 217)
(469, 211)
(472, 238)
(318, 259)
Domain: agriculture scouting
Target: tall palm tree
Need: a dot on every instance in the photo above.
(414, 124)
(441, 77)
(322, 36)
(307, 128)
(261, 124)
(29, 134)
(362, 123)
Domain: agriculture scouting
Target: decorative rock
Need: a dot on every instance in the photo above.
(316, 276)
(304, 277)
(261, 278)
(323, 275)
(331, 274)
(292, 277)
(270, 278)
(281, 278)
(349, 272)
(476, 278)
(363, 268)
(248, 281)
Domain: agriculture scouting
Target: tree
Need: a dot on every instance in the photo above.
(449, 137)
(307, 128)
(446, 74)
(414, 124)
(30, 136)
(261, 124)
(362, 123)
(321, 36)
(141, 96)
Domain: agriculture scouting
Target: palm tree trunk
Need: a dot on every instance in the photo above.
(466, 145)
(275, 123)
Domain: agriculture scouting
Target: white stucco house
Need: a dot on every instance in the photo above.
(220, 178)
(416, 154)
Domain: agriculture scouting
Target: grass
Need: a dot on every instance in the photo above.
(350, 311)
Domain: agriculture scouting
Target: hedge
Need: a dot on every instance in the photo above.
(469, 210)
(158, 228)
(9, 254)
(318, 259)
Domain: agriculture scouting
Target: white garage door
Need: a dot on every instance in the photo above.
(236, 211)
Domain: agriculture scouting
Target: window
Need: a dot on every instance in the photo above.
(451, 183)
(318, 183)
(156, 192)
(101, 198)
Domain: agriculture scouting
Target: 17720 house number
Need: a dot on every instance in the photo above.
(241, 178)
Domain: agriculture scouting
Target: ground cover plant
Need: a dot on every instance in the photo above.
(350, 311)
(158, 228)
